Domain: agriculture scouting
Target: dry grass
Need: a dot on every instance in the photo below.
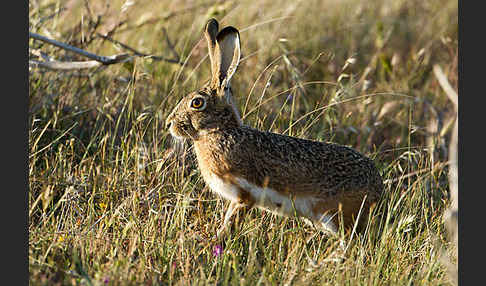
(109, 204)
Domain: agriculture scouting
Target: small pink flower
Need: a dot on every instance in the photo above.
(106, 280)
(217, 250)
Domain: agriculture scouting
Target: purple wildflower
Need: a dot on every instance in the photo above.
(106, 280)
(217, 250)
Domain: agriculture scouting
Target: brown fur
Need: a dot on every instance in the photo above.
(348, 206)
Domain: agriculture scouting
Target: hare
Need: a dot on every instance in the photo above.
(282, 174)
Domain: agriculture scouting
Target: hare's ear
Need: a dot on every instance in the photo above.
(210, 32)
(226, 56)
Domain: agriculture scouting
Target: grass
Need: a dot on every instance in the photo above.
(111, 204)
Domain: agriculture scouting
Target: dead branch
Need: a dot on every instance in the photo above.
(57, 65)
(451, 93)
(451, 214)
(96, 60)
(102, 59)
(444, 83)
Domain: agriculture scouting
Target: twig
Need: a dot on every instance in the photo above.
(57, 65)
(169, 44)
(96, 59)
(453, 170)
(446, 86)
(102, 59)
(86, 5)
(138, 53)
(48, 17)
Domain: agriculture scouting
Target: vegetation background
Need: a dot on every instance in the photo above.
(111, 202)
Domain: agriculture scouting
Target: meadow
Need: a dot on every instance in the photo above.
(113, 201)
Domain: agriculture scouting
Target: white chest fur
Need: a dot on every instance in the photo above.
(224, 189)
(265, 198)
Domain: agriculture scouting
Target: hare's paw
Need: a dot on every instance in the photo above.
(325, 224)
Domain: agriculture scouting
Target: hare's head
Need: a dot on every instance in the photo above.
(211, 107)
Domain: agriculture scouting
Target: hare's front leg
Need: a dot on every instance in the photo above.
(229, 212)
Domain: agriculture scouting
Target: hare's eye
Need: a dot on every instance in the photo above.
(198, 103)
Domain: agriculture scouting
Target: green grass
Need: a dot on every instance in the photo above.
(111, 204)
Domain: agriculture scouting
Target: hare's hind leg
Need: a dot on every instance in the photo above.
(326, 224)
